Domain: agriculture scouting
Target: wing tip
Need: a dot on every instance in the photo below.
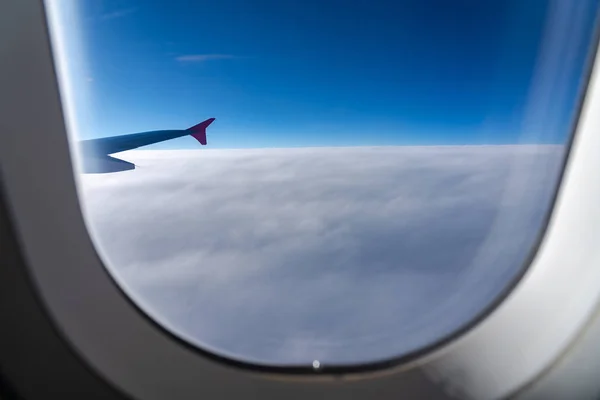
(198, 131)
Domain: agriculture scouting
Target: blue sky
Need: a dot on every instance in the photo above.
(329, 73)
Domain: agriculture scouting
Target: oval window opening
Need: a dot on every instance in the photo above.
(319, 183)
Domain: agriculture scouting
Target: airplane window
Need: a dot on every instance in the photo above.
(319, 182)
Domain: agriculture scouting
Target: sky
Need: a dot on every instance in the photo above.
(301, 73)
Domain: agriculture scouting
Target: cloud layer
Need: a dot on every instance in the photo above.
(342, 255)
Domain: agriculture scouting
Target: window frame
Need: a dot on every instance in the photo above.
(500, 354)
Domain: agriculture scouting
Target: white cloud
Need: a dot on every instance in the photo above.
(205, 57)
(340, 255)
(118, 13)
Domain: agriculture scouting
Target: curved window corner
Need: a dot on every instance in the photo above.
(313, 185)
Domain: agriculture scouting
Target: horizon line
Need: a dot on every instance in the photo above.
(355, 147)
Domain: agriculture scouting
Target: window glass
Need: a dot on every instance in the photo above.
(377, 175)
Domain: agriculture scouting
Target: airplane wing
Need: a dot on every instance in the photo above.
(96, 152)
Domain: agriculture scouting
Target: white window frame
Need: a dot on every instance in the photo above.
(501, 354)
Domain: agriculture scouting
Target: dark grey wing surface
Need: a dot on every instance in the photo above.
(96, 152)
(115, 144)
